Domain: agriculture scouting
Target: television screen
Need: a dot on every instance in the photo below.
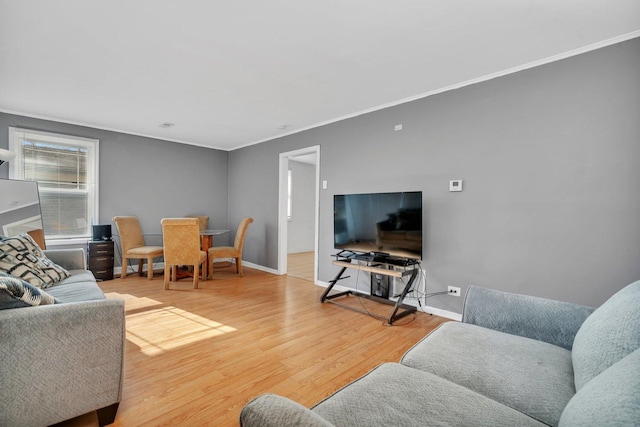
(388, 223)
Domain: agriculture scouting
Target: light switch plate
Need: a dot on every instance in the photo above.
(455, 185)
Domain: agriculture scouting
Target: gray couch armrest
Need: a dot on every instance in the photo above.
(60, 361)
(70, 259)
(270, 410)
(555, 322)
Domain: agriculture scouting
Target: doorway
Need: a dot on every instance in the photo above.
(298, 213)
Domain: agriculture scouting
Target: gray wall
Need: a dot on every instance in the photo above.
(301, 228)
(149, 178)
(549, 158)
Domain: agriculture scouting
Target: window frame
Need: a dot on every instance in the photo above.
(16, 170)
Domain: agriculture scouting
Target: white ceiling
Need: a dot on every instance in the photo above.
(233, 73)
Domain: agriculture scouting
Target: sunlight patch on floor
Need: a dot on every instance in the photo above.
(173, 326)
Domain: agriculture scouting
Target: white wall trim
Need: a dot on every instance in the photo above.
(443, 313)
(564, 55)
(107, 128)
(282, 207)
(260, 267)
(425, 309)
(160, 265)
(543, 61)
(117, 271)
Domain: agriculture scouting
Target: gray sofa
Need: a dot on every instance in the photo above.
(66, 359)
(514, 360)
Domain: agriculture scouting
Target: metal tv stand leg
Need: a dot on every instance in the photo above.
(325, 295)
(399, 304)
(400, 309)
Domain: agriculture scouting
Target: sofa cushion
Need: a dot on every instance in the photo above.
(78, 276)
(610, 333)
(74, 289)
(21, 257)
(16, 293)
(531, 376)
(270, 410)
(610, 399)
(396, 395)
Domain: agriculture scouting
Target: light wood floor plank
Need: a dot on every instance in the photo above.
(300, 265)
(195, 357)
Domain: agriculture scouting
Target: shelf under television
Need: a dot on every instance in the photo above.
(373, 269)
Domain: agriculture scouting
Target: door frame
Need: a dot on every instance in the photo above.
(282, 208)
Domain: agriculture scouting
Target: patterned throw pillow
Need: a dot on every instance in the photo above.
(21, 257)
(15, 293)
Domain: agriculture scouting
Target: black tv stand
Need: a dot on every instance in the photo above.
(381, 254)
(368, 262)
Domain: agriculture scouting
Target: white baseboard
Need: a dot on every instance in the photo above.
(259, 267)
(443, 313)
(427, 309)
(117, 271)
(336, 287)
(160, 266)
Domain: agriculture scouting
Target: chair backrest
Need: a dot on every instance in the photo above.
(203, 221)
(241, 233)
(130, 232)
(181, 241)
(38, 236)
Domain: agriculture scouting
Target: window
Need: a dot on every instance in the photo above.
(66, 169)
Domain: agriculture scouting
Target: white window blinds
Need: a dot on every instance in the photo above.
(66, 168)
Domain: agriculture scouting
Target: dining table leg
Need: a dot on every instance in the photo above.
(207, 242)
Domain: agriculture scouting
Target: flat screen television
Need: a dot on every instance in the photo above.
(384, 223)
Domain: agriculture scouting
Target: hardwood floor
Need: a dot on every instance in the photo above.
(300, 265)
(195, 357)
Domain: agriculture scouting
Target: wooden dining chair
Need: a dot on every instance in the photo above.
(133, 247)
(203, 221)
(181, 242)
(38, 236)
(234, 251)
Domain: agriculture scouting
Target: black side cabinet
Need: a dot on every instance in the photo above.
(100, 259)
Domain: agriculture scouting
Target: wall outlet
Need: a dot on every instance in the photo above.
(455, 185)
(453, 291)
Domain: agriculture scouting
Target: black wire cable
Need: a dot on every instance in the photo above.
(415, 293)
(384, 323)
(360, 298)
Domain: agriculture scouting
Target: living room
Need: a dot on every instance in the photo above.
(547, 154)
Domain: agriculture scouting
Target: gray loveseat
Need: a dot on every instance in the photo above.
(514, 360)
(62, 360)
